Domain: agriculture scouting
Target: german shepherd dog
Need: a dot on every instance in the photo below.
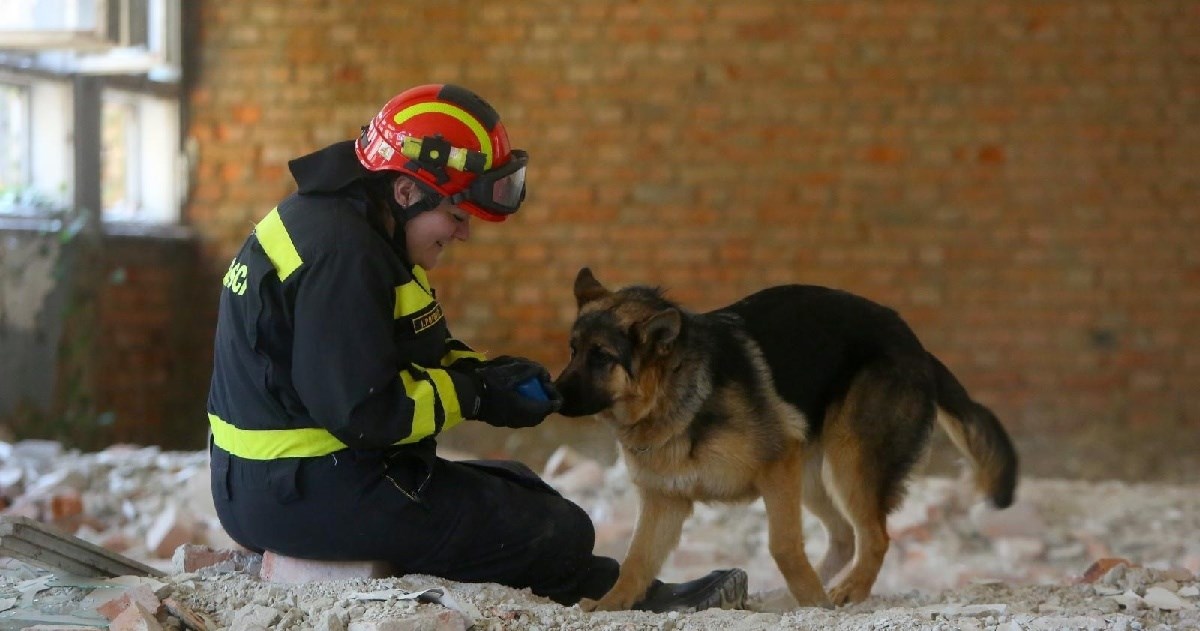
(797, 394)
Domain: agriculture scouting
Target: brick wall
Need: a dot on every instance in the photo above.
(104, 341)
(1019, 178)
(155, 312)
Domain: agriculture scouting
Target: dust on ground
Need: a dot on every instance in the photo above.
(953, 564)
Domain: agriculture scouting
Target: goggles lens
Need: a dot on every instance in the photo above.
(509, 190)
(500, 190)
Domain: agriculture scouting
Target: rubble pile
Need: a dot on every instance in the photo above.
(1068, 554)
(137, 501)
(943, 536)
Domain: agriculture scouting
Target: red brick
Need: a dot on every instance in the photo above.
(1100, 567)
(135, 618)
(282, 569)
(140, 594)
(246, 113)
(991, 154)
(65, 505)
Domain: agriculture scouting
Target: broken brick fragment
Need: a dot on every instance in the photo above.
(142, 595)
(277, 568)
(1100, 567)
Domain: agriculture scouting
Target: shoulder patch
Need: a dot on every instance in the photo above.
(427, 318)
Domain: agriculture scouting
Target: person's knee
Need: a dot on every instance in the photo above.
(563, 567)
(566, 530)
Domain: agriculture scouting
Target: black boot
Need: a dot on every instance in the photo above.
(724, 589)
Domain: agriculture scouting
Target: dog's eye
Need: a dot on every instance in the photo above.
(600, 357)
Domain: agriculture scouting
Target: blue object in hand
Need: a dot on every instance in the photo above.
(532, 389)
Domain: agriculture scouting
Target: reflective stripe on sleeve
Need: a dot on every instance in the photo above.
(277, 243)
(448, 396)
(452, 356)
(423, 394)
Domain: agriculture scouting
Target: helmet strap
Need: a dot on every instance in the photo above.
(412, 210)
(430, 199)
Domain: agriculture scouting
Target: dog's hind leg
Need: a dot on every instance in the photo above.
(871, 443)
(838, 530)
(853, 493)
(781, 484)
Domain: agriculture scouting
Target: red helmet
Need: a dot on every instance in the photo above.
(450, 140)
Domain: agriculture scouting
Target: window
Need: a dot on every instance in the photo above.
(120, 167)
(35, 154)
(139, 140)
(132, 50)
(14, 138)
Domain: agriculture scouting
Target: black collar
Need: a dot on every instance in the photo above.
(328, 170)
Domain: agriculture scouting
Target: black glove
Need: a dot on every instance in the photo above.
(499, 402)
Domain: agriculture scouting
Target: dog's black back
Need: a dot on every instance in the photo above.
(817, 341)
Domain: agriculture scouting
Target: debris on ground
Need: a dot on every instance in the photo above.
(1068, 554)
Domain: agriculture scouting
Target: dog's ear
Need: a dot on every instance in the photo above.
(661, 329)
(587, 288)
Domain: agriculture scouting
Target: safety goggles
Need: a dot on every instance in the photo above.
(500, 190)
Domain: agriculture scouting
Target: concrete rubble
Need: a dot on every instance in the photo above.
(1080, 555)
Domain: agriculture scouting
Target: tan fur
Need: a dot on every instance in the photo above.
(671, 474)
(737, 463)
(844, 476)
(986, 469)
(748, 443)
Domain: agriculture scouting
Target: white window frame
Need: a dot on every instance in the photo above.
(49, 147)
(152, 154)
(45, 53)
(15, 176)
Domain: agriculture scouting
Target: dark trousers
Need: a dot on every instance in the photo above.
(465, 521)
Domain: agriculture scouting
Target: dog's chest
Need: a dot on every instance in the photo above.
(694, 478)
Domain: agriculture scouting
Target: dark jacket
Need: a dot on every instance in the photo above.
(327, 338)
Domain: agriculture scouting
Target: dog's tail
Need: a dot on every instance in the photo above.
(977, 433)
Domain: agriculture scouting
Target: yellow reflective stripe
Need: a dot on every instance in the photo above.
(422, 393)
(410, 299)
(422, 278)
(453, 356)
(278, 244)
(269, 444)
(485, 143)
(448, 396)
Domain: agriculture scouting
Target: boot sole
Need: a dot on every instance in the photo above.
(730, 594)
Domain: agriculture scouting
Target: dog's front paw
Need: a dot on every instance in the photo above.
(849, 591)
(611, 601)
